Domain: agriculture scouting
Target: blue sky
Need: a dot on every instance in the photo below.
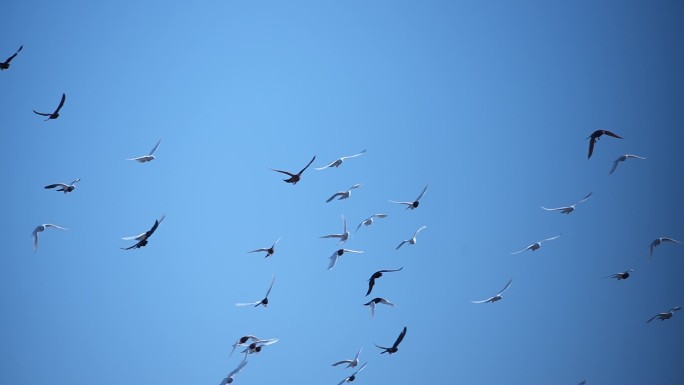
(488, 102)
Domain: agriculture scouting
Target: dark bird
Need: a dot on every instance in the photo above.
(63, 186)
(415, 203)
(294, 178)
(269, 251)
(376, 301)
(666, 315)
(376, 275)
(353, 376)
(621, 275)
(6, 64)
(55, 114)
(596, 135)
(263, 302)
(394, 347)
(143, 237)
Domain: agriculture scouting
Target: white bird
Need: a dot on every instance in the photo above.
(343, 194)
(255, 347)
(568, 209)
(415, 203)
(263, 302)
(339, 161)
(229, 377)
(411, 241)
(148, 157)
(42, 228)
(621, 275)
(269, 251)
(350, 363)
(623, 158)
(656, 242)
(353, 376)
(536, 245)
(497, 296)
(333, 258)
(376, 301)
(63, 186)
(369, 221)
(666, 315)
(345, 234)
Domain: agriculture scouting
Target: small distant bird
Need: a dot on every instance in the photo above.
(623, 158)
(376, 301)
(345, 233)
(53, 115)
(343, 194)
(621, 275)
(568, 209)
(142, 238)
(339, 161)
(414, 204)
(498, 295)
(269, 251)
(350, 363)
(656, 242)
(353, 376)
(596, 135)
(583, 382)
(243, 340)
(263, 302)
(666, 315)
(376, 275)
(294, 178)
(255, 347)
(394, 347)
(6, 64)
(40, 229)
(369, 221)
(333, 258)
(64, 187)
(536, 245)
(411, 241)
(149, 157)
(229, 377)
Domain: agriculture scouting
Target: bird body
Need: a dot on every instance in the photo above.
(63, 186)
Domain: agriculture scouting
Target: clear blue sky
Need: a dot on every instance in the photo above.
(489, 102)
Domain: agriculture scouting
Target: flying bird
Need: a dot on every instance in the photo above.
(656, 242)
(595, 136)
(345, 233)
(255, 347)
(568, 209)
(353, 376)
(229, 377)
(294, 178)
(40, 229)
(369, 221)
(6, 64)
(64, 187)
(337, 254)
(415, 203)
(339, 161)
(350, 363)
(536, 245)
(376, 301)
(53, 115)
(621, 275)
(497, 296)
(343, 194)
(623, 158)
(666, 315)
(263, 302)
(269, 251)
(142, 238)
(394, 347)
(376, 275)
(149, 157)
(243, 340)
(411, 241)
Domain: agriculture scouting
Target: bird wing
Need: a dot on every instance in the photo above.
(676, 308)
(371, 283)
(131, 247)
(634, 156)
(400, 338)
(324, 167)
(41, 113)
(56, 185)
(75, 181)
(418, 231)
(554, 209)
(284, 172)
(520, 251)
(35, 239)
(506, 287)
(342, 362)
(258, 250)
(550, 239)
(484, 300)
(353, 251)
(307, 166)
(401, 244)
(344, 224)
(61, 103)
(354, 156)
(333, 260)
(9, 59)
(136, 237)
(421, 193)
(55, 226)
(390, 270)
(359, 226)
(615, 164)
(247, 303)
(606, 132)
(239, 367)
(667, 239)
(332, 236)
(585, 198)
(402, 203)
(362, 366)
(652, 318)
(591, 146)
(356, 186)
(270, 287)
(379, 215)
(155, 147)
(335, 195)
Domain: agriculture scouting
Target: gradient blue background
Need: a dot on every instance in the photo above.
(489, 102)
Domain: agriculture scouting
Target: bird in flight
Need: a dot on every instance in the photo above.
(229, 377)
(413, 240)
(568, 209)
(666, 315)
(621, 275)
(6, 64)
(339, 161)
(353, 376)
(350, 363)
(64, 187)
(376, 275)
(333, 258)
(53, 115)
(149, 157)
(369, 221)
(623, 158)
(40, 229)
(498, 295)
(656, 242)
(294, 178)
(345, 233)
(269, 251)
(142, 238)
(595, 136)
(394, 347)
(243, 340)
(376, 301)
(415, 203)
(343, 194)
(263, 302)
(255, 347)
(536, 245)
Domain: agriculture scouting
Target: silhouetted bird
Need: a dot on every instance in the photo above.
(376, 275)
(415, 203)
(294, 178)
(394, 347)
(63, 186)
(55, 114)
(143, 237)
(666, 315)
(621, 275)
(596, 135)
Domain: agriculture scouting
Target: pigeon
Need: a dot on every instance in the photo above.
(345, 234)
(666, 315)
(337, 254)
(142, 238)
(414, 204)
(498, 296)
(536, 245)
(621, 275)
(149, 157)
(53, 115)
(376, 301)
(243, 340)
(595, 136)
(64, 187)
(255, 347)
(568, 209)
(411, 241)
(656, 242)
(353, 376)
(269, 251)
(294, 178)
(40, 229)
(376, 275)
(6, 64)
(394, 347)
(343, 194)
(369, 221)
(339, 161)
(350, 363)
(263, 302)
(623, 158)
(229, 377)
